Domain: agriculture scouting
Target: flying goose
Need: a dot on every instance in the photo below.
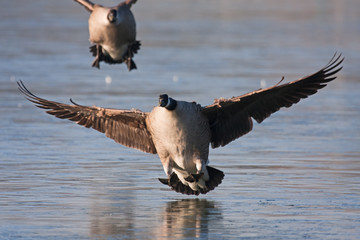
(180, 132)
(113, 30)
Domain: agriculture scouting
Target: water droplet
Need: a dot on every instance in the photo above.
(175, 78)
(108, 80)
(263, 83)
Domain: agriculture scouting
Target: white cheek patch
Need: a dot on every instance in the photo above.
(168, 103)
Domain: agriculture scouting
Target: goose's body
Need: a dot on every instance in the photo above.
(180, 132)
(113, 30)
(181, 138)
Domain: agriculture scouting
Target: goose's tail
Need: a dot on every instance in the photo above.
(215, 178)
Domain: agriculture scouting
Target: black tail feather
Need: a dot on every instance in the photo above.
(216, 177)
(93, 50)
(130, 64)
(164, 181)
(97, 52)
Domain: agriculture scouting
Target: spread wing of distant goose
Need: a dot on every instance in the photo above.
(180, 132)
(113, 30)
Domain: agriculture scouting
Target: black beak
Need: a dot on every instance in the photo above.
(163, 100)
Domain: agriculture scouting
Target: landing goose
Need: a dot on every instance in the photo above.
(113, 30)
(180, 132)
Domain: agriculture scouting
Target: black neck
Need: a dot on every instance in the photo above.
(171, 104)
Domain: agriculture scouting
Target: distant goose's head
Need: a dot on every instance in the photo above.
(167, 102)
(112, 16)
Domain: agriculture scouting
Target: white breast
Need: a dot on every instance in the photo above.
(114, 38)
(182, 134)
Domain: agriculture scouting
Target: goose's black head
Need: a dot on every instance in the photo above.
(112, 16)
(167, 102)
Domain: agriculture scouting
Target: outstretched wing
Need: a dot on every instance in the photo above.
(130, 2)
(127, 3)
(87, 4)
(127, 127)
(231, 118)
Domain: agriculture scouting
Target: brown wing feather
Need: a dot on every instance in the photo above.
(128, 2)
(127, 127)
(87, 4)
(231, 118)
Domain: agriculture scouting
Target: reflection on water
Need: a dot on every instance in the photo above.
(188, 218)
(111, 216)
(180, 219)
(295, 176)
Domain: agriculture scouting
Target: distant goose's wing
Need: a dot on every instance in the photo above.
(127, 127)
(87, 4)
(128, 2)
(231, 118)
